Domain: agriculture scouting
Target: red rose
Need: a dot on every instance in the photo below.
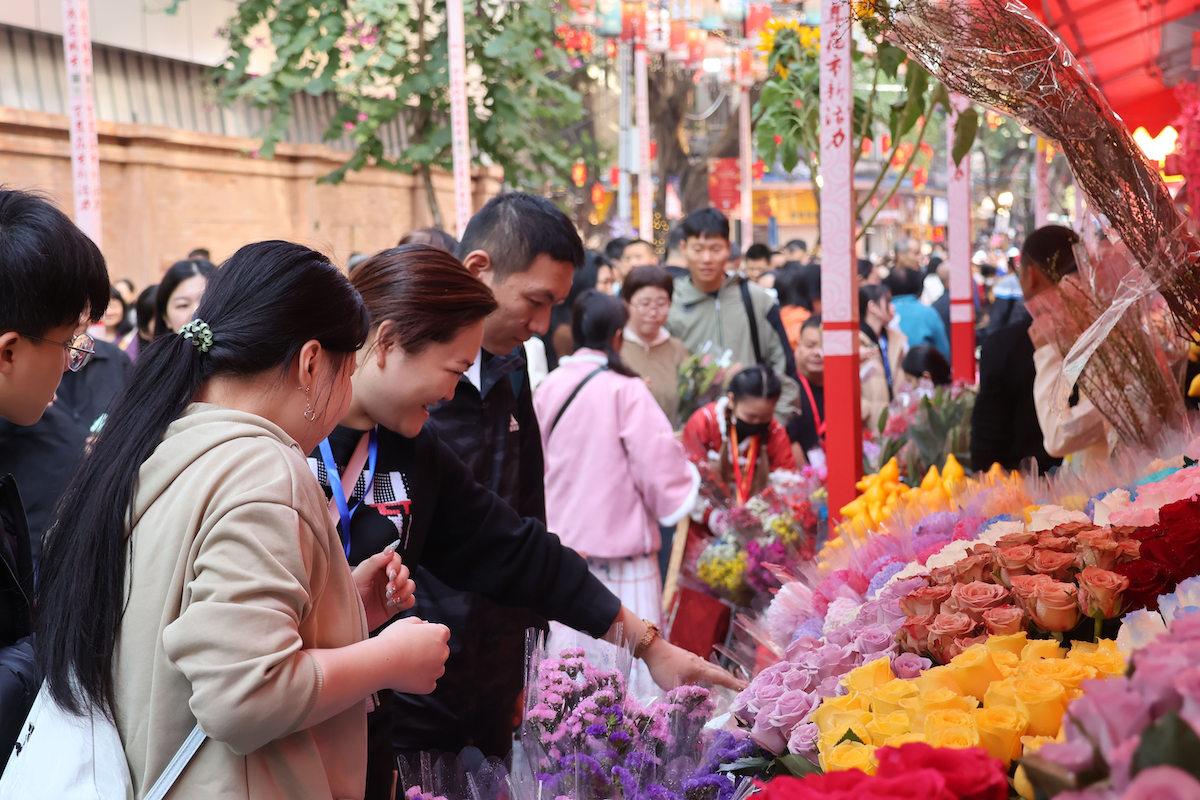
(1004, 620)
(1162, 552)
(1147, 580)
(975, 598)
(1183, 532)
(926, 600)
(914, 634)
(1058, 566)
(970, 773)
(1147, 533)
(854, 784)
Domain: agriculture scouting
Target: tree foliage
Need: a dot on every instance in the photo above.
(385, 60)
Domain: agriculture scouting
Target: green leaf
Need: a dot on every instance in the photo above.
(883, 421)
(964, 134)
(849, 736)
(890, 58)
(798, 765)
(1170, 742)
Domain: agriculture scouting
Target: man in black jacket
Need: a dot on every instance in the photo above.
(51, 276)
(526, 250)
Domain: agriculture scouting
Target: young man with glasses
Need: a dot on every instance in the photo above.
(52, 281)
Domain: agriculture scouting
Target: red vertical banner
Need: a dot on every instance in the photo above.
(962, 286)
(460, 130)
(81, 106)
(725, 186)
(839, 274)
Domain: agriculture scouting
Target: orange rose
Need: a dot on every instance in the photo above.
(1003, 620)
(1101, 592)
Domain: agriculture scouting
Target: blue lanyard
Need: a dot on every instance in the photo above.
(883, 349)
(335, 484)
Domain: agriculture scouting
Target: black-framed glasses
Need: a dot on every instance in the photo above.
(80, 349)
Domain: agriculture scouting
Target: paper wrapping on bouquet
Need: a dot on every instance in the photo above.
(998, 54)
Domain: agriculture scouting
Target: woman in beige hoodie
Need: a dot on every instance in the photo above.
(193, 573)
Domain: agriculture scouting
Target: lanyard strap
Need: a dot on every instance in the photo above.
(887, 369)
(751, 462)
(340, 490)
(812, 401)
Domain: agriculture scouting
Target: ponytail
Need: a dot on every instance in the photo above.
(261, 307)
(596, 318)
(757, 381)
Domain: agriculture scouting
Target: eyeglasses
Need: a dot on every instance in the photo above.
(651, 305)
(80, 349)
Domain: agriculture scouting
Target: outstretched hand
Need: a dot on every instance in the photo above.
(671, 666)
(385, 587)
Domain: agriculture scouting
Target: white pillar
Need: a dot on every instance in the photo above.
(81, 105)
(460, 130)
(624, 199)
(746, 148)
(962, 286)
(641, 80)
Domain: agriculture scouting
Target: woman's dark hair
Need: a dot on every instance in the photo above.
(268, 300)
(434, 237)
(641, 277)
(872, 293)
(146, 309)
(757, 381)
(426, 293)
(1052, 250)
(595, 320)
(927, 358)
(123, 327)
(179, 272)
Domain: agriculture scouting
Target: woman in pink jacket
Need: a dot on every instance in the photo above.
(614, 471)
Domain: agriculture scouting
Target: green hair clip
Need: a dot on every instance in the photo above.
(198, 331)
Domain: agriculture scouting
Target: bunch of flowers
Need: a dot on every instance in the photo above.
(586, 737)
(923, 427)
(702, 378)
(1004, 695)
(912, 771)
(1136, 736)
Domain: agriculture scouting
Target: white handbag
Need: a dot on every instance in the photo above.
(62, 756)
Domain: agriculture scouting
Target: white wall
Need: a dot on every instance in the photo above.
(140, 25)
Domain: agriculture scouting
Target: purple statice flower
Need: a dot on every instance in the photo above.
(707, 786)
(884, 575)
(598, 729)
(627, 780)
(811, 627)
(656, 791)
(619, 738)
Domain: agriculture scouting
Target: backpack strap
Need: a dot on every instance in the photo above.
(176, 766)
(745, 287)
(582, 383)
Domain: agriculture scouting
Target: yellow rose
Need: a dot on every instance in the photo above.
(1031, 744)
(944, 719)
(905, 738)
(1012, 642)
(886, 698)
(836, 705)
(1042, 702)
(849, 755)
(1001, 693)
(845, 721)
(937, 678)
(975, 671)
(1000, 731)
(1107, 663)
(1022, 785)
(955, 737)
(1006, 661)
(885, 726)
(1064, 670)
(868, 676)
(934, 700)
(1041, 648)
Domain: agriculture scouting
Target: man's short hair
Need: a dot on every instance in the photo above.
(434, 237)
(758, 252)
(515, 228)
(51, 273)
(705, 223)
(675, 238)
(616, 247)
(812, 322)
(796, 244)
(199, 252)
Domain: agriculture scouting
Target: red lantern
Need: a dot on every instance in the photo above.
(758, 169)
(614, 176)
(598, 194)
(579, 173)
(887, 143)
(926, 150)
(633, 21)
(653, 149)
(610, 48)
(867, 144)
(920, 178)
(760, 14)
(697, 38)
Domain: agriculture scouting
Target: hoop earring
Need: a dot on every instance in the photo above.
(309, 414)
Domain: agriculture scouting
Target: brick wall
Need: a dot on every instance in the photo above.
(165, 191)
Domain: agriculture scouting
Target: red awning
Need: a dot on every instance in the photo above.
(1136, 51)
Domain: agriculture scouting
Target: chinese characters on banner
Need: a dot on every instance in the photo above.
(81, 106)
(962, 287)
(460, 132)
(839, 274)
(725, 186)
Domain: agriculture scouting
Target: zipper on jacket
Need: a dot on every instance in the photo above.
(720, 329)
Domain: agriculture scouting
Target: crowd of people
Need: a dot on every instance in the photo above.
(309, 509)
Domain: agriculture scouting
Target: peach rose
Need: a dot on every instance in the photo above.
(914, 635)
(1128, 550)
(1014, 561)
(1097, 549)
(944, 630)
(926, 600)
(1058, 566)
(1061, 544)
(1054, 606)
(1015, 539)
(1101, 592)
(975, 598)
(1025, 586)
(1003, 620)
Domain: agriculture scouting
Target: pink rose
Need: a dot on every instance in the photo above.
(914, 634)
(1073, 529)
(926, 600)
(1058, 566)
(963, 642)
(1048, 541)
(1054, 606)
(1014, 561)
(973, 568)
(1101, 592)
(1097, 549)
(942, 576)
(1016, 539)
(1003, 620)
(1128, 550)
(944, 629)
(974, 598)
